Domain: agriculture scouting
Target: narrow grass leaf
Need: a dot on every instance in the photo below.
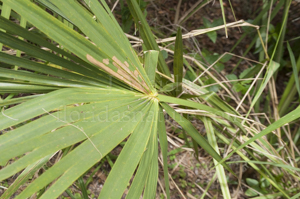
(279, 123)
(220, 170)
(190, 129)
(264, 174)
(147, 34)
(18, 100)
(294, 65)
(52, 7)
(273, 66)
(199, 106)
(178, 62)
(82, 187)
(25, 176)
(224, 17)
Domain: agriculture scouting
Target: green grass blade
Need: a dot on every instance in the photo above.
(280, 41)
(147, 35)
(199, 106)
(83, 188)
(219, 168)
(272, 68)
(270, 163)
(234, 146)
(224, 17)
(289, 93)
(18, 100)
(190, 129)
(273, 65)
(295, 71)
(178, 62)
(24, 176)
(296, 196)
(279, 123)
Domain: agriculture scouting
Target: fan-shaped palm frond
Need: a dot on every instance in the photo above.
(99, 94)
(89, 92)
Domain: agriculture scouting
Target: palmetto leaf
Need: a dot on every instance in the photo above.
(96, 93)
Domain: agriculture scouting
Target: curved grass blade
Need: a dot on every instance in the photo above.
(18, 100)
(25, 176)
(264, 174)
(52, 7)
(190, 129)
(199, 106)
(220, 170)
(282, 121)
(147, 35)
